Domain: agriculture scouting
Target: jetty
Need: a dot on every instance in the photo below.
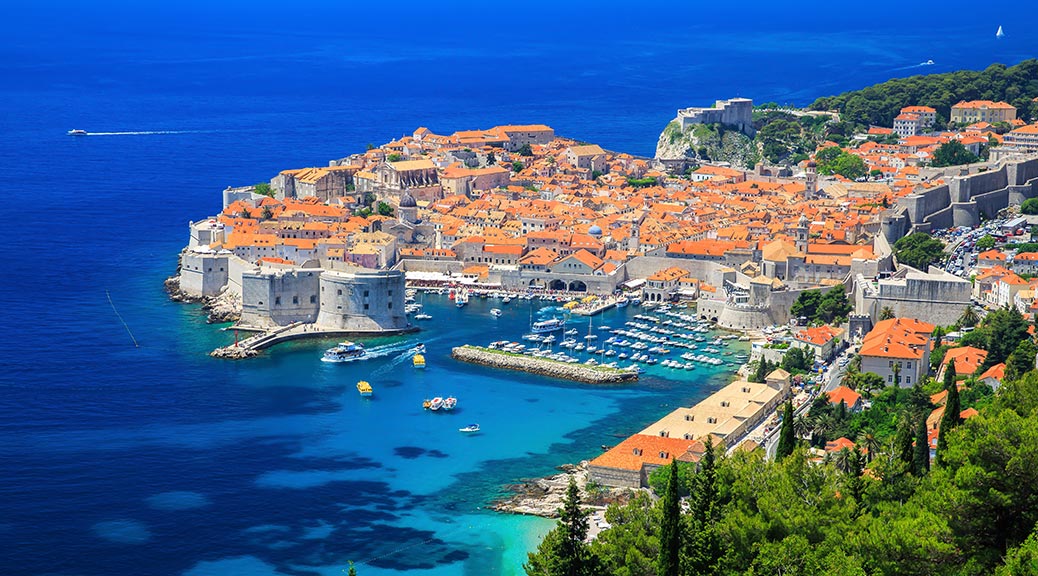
(543, 366)
(252, 345)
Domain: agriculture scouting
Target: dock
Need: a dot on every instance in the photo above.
(542, 366)
(252, 345)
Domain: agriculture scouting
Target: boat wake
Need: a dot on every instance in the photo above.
(406, 352)
(147, 132)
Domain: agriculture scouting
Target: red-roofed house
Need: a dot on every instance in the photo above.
(843, 394)
(993, 376)
(629, 463)
(903, 343)
(821, 339)
(967, 359)
(839, 444)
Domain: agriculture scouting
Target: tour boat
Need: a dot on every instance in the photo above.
(449, 403)
(78, 132)
(547, 326)
(495, 312)
(434, 404)
(345, 352)
(364, 388)
(470, 428)
(418, 349)
(418, 361)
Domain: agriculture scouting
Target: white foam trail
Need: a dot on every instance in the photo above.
(147, 132)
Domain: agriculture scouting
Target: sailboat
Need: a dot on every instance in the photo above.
(1000, 34)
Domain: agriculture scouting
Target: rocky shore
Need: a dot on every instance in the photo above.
(544, 496)
(542, 366)
(225, 307)
(234, 353)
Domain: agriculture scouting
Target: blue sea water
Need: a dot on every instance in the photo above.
(159, 460)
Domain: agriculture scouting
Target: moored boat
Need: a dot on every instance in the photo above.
(622, 302)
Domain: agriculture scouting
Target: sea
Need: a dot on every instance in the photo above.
(125, 449)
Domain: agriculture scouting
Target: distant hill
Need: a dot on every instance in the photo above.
(880, 103)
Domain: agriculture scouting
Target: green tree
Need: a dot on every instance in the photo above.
(952, 407)
(786, 439)
(563, 551)
(903, 443)
(834, 160)
(763, 369)
(875, 174)
(631, 545)
(798, 360)
(244, 213)
(659, 479)
(1007, 329)
(886, 313)
(1029, 206)
(1021, 360)
(517, 166)
(703, 548)
(384, 209)
(525, 150)
(394, 157)
(491, 158)
(668, 561)
(1021, 560)
(352, 571)
(921, 452)
(866, 383)
(264, 189)
(267, 213)
(952, 153)
(919, 250)
(969, 317)
(987, 242)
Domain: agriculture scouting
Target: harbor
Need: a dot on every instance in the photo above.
(588, 374)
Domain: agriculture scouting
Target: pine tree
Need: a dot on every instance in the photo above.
(703, 545)
(564, 552)
(763, 367)
(952, 409)
(903, 444)
(787, 440)
(921, 454)
(352, 571)
(668, 561)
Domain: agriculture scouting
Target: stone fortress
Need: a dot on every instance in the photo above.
(737, 112)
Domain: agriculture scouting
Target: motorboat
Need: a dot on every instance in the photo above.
(364, 388)
(422, 316)
(570, 332)
(344, 352)
(449, 403)
(470, 428)
(622, 302)
(78, 132)
(434, 404)
(505, 300)
(495, 312)
(550, 325)
(418, 361)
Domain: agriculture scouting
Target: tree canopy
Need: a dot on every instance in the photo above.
(832, 306)
(952, 154)
(834, 160)
(880, 103)
(919, 250)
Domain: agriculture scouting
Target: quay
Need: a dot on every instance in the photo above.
(542, 366)
(251, 346)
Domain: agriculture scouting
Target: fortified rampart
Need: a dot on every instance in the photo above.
(936, 296)
(362, 301)
(279, 297)
(737, 112)
(963, 200)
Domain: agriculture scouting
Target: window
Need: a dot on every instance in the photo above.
(365, 306)
(909, 365)
(365, 293)
(340, 291)
(908, 379)
(389, 306)
(313, 299)
(390, 292)
(890, 378)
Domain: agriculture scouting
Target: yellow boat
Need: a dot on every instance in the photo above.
(418, 361)
(364, 388)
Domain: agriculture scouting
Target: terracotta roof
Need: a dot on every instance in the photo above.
(641, 449)
(845, 395)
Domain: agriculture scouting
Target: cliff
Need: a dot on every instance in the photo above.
(706, 143)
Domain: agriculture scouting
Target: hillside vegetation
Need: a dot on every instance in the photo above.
(880, 103)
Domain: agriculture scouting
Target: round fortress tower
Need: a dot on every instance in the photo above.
(363, 301)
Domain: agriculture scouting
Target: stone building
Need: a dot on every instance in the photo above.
(737, 112)
(898, 350)
(362, 300)
(937, 296)
(982, 111)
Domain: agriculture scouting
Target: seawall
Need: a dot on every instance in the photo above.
(541, 366)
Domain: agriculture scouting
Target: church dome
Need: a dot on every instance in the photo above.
(594, 230)
(407, 201)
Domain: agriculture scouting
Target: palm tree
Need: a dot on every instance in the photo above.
(886, 313)
(868, 441)
(845, 460)
(969, 317)
(802, 426)
(897, 374)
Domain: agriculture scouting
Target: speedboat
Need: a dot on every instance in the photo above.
(418, 361)
(470, 428)
(449, 403)
(570, 332)
(622, 302)
(77, 132)
(422, 316)
(506, 300)
(345, 352)
(434, 404)
(364, 388)
(495, 312)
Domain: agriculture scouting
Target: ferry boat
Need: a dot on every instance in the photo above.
(470, 428)
(495, 312)
(364, 388)
(78, 132)
(449, 403)
(345, 352)
(418, 361)
(547, 326)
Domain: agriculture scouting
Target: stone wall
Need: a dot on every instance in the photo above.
(203, 274)
(280, 297)
(542, 366)
(362, 301)
(615, 477)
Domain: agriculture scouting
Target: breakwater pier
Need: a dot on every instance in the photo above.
(543, 366)
(252, 345)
